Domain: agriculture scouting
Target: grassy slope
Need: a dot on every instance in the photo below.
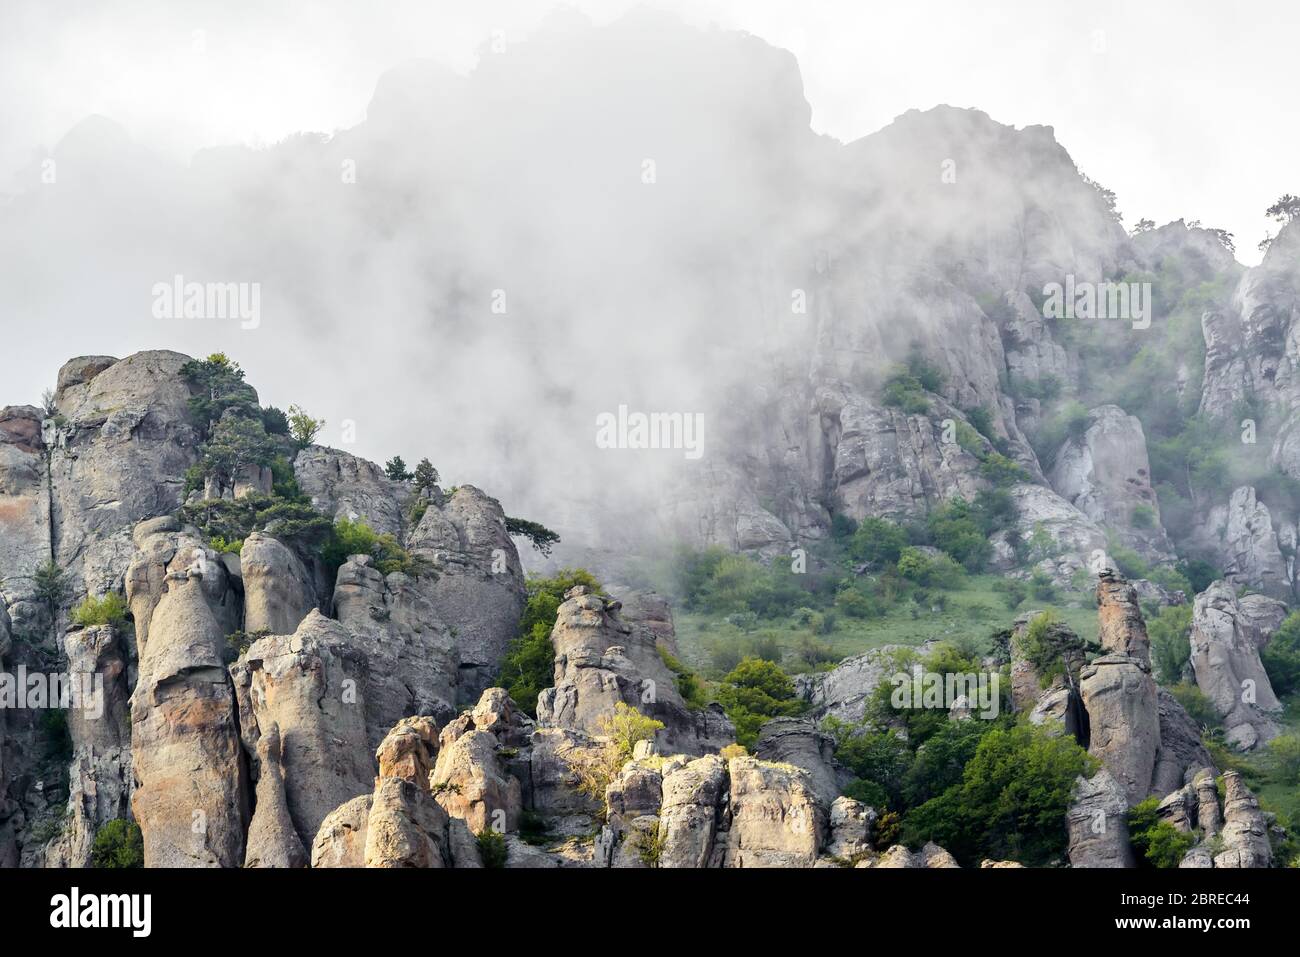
(974, 611)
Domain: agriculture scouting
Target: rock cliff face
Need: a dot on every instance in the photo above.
(1225, 659)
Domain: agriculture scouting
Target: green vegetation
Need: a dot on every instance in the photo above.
(357, 538)
(426, 477)
(303, 429)
(118, 843)
(51, 585)
(627, 727)
(1011, 800)
(529, 662)
(238, 643)
(1281, 658)
(492, 850)
(109, 609)
(395, 469)
(1169, 630)
(753, 693)
(1156, 843)
(688, 684)
(541, 536)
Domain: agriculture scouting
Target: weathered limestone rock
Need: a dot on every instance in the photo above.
(1264, 614)
(341, 840)
(797, 741)
(99, 775)
(120, 458)
(191, 797)
(272, 840)
(1246, 544)
(1105, 473)
(1225, 660)
(843, 692)
(1177, 808)
(344, 486)
(406, 827)
(409, 751)
(851, 824)
(24, 517)
(600, 661)
(552, 785)
(1120, 694)
(1208, 816)
(308, 685)
(479, 584)
(1245, 832)
(1098, 823)
(776, 817)
(278, 591)
(898, 856)
(471, 783)
(411, 654)
(636, 792)
(693, 799)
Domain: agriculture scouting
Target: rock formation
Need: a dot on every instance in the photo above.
(1225, 659)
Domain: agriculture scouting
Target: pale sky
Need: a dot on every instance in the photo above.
(1184, 109)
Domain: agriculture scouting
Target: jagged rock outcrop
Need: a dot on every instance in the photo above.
(851, 826)
(119, 457)
(775, 817)
(798, 742)
(1098, 823)
(100, 779)
(272, 840)
(471, 783)
(278, 589)
(1245, 831)
(1264, 614)
(692, 811)
(191, 796)
(309, 685)
(406, 827)
(1247, 545)
(843, 692)
(600, 661)
(1106, 474)
(1225, 659)
(24, 517)
(343, 486)
(1055, 702)
(479, 583)
(410, 652)
(931, 855)
(1119, 692)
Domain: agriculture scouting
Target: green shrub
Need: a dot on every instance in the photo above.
(754, 692)
(492, 850)
(1197, 705)
(1011, 802)
(51, 584)
(1169, 630)
(877, 542)
(118, 843)
(688, 685)
(1284, 759)
(357, 538)
(109, 609)
(1281, 657)
(1157, 843)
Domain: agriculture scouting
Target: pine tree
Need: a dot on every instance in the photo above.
(396, 469)
(426, 476)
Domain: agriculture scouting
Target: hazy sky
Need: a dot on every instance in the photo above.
(376, 296)
(1184, 107)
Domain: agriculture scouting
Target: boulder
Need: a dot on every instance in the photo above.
(694, 796)
(1181, 748)
(278, 591)
(797, 741)
(341, 840)
(471, 783)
